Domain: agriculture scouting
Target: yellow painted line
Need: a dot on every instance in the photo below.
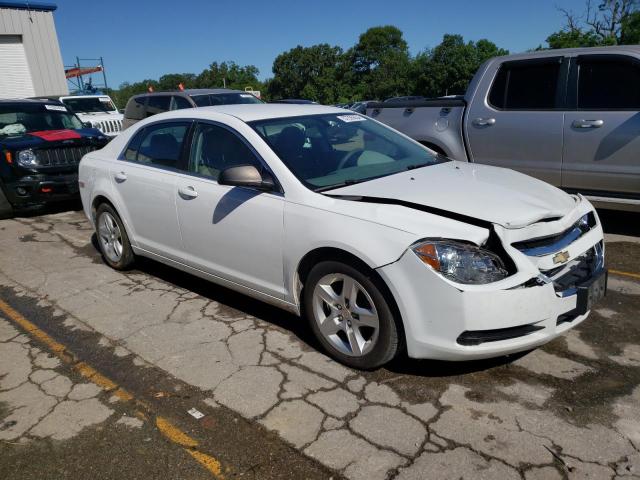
(207, 462)
(174, 434)
(168, 430)
(625, 274)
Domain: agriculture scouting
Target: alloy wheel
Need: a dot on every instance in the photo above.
(110, 237)
(345, 314)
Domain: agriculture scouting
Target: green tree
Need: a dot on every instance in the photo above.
(307, 72)
(380, 64)
(612, 22)
(448, 68)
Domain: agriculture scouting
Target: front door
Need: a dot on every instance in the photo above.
(519, 124)
(233, 232)
(602, 136)
(145, 179)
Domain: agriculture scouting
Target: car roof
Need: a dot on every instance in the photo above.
(573, 51)
(249, 112)
(191, 91)
(42, 101)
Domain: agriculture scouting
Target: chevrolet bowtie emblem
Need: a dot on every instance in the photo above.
(561, 257)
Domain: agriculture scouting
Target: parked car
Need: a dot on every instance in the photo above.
(148, 104)
(406, 98)
(41, 144)
(295, 101)
(378, 242)
(361, 107)
(97, 110)
(569, 117)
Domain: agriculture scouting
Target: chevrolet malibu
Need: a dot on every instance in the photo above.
(379, 243)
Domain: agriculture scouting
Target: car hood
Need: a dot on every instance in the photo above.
(54, 138)
(97, 117)
(491, 194)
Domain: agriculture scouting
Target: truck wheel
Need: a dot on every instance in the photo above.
(6, 210)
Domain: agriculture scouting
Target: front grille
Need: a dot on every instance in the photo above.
(62, 156)
(579, 270)
(110, 126)
(538, 247)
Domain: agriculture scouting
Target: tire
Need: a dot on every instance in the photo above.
(346, 327)
(113, 239)
(6, 210)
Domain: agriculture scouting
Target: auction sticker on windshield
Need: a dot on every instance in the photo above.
(351, 118)
(58, 108)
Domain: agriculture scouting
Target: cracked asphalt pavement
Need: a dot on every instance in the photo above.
(274, 407)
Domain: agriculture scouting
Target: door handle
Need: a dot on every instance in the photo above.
(484, 122)
(120, 177)
(587, 123)
(188, 193)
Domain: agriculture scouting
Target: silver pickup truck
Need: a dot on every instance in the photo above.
(568, 117)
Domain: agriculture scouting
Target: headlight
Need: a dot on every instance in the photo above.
(460, 262)
(27, 158)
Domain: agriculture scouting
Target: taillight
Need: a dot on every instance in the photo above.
(8, 157)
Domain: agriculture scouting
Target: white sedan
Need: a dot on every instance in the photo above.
(381, 244)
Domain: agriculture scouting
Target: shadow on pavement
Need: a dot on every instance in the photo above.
(620, 223)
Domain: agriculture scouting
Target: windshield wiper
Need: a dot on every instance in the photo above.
(346, 183)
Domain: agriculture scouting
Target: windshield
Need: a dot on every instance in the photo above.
(206, 100)
(326, 151)
(17, 119)
(90, 104)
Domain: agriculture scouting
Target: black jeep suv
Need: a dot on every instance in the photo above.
(41, 144)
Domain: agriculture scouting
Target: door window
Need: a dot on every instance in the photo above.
(158, 104)
(178, 103)
(607, 83)
(159, 144)
(215, 148)
(525, 86)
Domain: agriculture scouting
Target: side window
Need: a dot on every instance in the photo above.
(525, 86)
(132, 149)
(215, 148)
(158, 104)
(178, 103)
(607, 83)
(201, 100)
(161, 144)
(135, 108)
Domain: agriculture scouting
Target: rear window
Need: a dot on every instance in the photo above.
(525, 86)
(607, 83)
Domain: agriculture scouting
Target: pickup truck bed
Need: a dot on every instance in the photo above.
(568, 117)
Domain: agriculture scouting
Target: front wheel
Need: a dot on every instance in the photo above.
(350, 316)
(112, 238)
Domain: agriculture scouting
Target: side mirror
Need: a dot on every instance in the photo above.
(246, 176)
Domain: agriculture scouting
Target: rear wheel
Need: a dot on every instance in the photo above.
(112, 238)
(350, 316)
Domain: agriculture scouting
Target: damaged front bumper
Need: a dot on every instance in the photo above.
(448, 321)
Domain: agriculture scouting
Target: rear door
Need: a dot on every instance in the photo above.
(518, 124)
(145, 179)
(602, 134)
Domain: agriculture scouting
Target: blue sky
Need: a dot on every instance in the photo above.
(144, 39)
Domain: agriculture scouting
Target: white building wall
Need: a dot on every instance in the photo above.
(40, 40)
